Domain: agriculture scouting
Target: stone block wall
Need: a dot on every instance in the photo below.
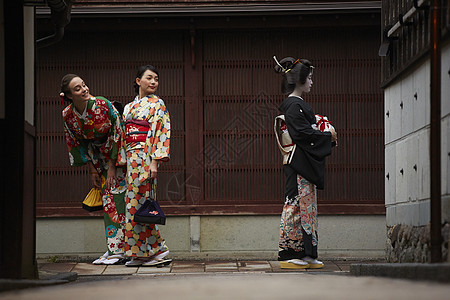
(407, 162)
(407, 243)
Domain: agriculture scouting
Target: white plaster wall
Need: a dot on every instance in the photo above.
(407, 138)
(390, 176)
(86, 236)
(445, 158)
(219, 237)
(445, 77)
(445, 155)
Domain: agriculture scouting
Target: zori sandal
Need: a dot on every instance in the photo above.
(294, 264)
(157, 263)
(313, 263)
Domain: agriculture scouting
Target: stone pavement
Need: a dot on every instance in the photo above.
(46, 269)
(223, 280)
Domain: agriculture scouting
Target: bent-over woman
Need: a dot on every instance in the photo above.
(93, 129)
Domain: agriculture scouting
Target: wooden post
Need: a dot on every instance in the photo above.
(17, 198)
(435, 133)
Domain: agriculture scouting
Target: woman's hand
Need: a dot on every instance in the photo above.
(153, 169)
(111, 175)
(333, 135)
(96, 180)
(95, 177)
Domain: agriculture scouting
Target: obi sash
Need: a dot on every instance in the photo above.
(136, 131)
(284, 140)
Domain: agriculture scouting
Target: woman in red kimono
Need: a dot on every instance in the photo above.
(305, 172)
(93, 128)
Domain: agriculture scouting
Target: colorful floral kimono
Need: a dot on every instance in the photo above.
(138, 150)
(94, 137)
(298, 227)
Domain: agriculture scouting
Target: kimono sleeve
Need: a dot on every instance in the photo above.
(315, 142)
(78, 149)
(158, 138)
(111, 148)
(157, 144)
(122, 154)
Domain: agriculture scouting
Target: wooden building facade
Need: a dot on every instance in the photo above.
(217, 79)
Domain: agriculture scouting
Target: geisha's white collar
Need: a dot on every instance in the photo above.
(296, 97)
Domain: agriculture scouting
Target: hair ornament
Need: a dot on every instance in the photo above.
(293, 64)
(278, 63)
(62, 97)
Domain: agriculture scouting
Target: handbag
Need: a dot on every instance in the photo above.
(93, 200)
(150, 213)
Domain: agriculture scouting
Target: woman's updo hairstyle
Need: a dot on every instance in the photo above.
(140, 73)
(294, 71)
(65, 89)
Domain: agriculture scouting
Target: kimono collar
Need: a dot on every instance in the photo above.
(82, 115)
(296, 97)
(145, 97)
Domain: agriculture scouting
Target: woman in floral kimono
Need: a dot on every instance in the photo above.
(93, 129)
(145, 145)
(305, 172)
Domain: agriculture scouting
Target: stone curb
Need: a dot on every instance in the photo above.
(46, 279)
(431, 272)
(67, 276)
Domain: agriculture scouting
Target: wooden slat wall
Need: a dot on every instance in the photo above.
(109, 69)
(241, 96)
(236, 166)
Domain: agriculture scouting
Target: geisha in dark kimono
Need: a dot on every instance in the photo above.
(305, 171)
(93, 129)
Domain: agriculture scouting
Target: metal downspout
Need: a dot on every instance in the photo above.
(51, 39)
(435, 133)
(60, 11)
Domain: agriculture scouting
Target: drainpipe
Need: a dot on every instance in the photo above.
(435, 133)
(60, 10)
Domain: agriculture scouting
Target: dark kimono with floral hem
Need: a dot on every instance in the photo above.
(298, 227)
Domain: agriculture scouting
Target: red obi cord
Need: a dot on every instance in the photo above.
(136, 131)
(322, 123)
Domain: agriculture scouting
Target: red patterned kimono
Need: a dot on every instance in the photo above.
(93, 137)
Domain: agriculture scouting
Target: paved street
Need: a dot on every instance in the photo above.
(185, 267)
(225, 280)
